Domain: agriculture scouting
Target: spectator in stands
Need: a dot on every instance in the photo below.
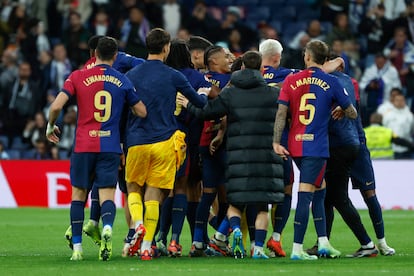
(201, 22)
(83, 8)
(233, 43)
(75, 38)
(401, 53)
(331, 8)
(55, 22)
(38, 9)
(102, 25)
(401, 121)
(313, 31)
(22, 102)
(341, 30)
(60, 68)
(376, 29)
(174, 16)
(68, 129)
(387, 105)
(4, 33)
(33, 43)
(133, 33)
(35, 129)
(16, 22)
(8, 72)
(233, 21)
(380, 138)
(407, 21)
(266, 31)
(393, 8)
(183, 34)
(338, 48)
(3, 153)
(356, 13)
(377, 81)
(44, 151)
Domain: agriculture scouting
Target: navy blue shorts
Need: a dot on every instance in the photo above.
(312, 169)
(362, 173)
(121, 180)
(214, 167)
(100, 169)
(184, 169)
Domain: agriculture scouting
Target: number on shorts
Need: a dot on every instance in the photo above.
(305, 106)
(103, 103)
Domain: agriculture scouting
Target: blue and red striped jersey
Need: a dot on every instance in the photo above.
(273, 76)
(100, 92)
(219, 80)
(310, 95)
(123, 62)
(276, 76)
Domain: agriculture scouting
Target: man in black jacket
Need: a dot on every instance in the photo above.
(254, 173)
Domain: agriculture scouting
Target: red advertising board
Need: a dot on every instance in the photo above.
(25, 183)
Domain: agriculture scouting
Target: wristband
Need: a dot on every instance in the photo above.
(50, 129)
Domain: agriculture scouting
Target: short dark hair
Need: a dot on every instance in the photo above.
(397, 90)
(318, 50)
(93, 41)
(107, 47)
(198, 43)
(211, 51)
(179, 57)
(252, 60)
(237, 64)
(156, 40)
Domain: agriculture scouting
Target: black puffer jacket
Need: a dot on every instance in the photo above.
(254, 172)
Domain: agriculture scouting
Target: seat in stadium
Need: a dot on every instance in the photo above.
(308, 14)
(5, 140)
(18, 144)
(277, 25)
(326, 27)
(285, 13)
(258, 14)
(14, 153)
(246, 3)
(289, 30)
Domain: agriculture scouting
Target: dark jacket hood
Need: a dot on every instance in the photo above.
(247, 78)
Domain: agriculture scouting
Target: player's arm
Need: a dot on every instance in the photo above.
(55, 108)
(279, 126)
(351, 112)
(402, 142)
(139, 109)
(184, 86)
(218, 140)
(214, 92)
(213, 109)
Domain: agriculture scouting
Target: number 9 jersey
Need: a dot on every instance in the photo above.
(100, 92)
(310, 96)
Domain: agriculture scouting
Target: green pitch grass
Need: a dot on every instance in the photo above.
(32, 243)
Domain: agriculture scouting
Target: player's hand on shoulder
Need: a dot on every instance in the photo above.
(338, 113)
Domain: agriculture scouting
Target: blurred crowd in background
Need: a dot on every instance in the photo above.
(43, 41)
